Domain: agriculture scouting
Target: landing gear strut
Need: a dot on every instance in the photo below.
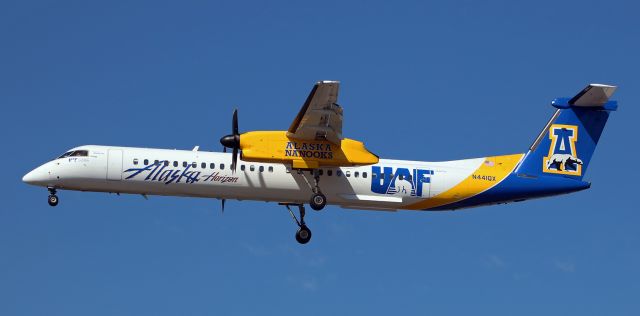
(318, 200)
(303, 235)
(53, 198)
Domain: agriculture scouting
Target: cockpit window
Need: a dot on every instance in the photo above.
(75, 153)
(80, 153)
(65, 155)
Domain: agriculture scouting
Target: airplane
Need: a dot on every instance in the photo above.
(312, 163)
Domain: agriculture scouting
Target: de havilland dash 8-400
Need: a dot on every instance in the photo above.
(312, 163)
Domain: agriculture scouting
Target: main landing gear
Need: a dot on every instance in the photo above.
(318, 200)
(303, 235)
(53, 198)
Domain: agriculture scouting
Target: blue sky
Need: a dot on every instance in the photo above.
(420, 80)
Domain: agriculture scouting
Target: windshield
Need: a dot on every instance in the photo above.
(80, 153)
(65, 155)
(75, 153)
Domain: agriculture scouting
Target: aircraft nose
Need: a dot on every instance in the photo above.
(36, 176)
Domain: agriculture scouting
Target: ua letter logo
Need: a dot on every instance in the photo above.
(562, 158)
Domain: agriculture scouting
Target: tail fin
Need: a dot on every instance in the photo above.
(566, 144)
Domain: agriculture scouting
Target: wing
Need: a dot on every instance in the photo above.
(320, 117)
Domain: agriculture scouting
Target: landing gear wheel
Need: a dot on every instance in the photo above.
(318, 201)
(53, 200)
(303, 235)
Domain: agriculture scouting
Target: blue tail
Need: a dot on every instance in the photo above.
(559, 157)
(566, 144)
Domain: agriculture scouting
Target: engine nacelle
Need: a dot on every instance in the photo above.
(276, 146)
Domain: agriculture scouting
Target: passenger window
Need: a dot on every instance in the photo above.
(146, 162)
(194, 165)
(221, 166)
(135, 161)
(212, 166)
(252, 168)
(348, 173)
(373, 175)
(261, 168)
(320, 172)
(364, 174)
(329, 172)
(184, 164)
(166, 163)
(270, 168)
(338, 172)
(356, 174)
(175, 163)
(157, 162)
(401, 177)
(242, 167)
(203, 165)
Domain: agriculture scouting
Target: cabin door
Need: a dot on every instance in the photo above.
(114, 165)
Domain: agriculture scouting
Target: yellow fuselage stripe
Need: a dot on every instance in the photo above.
(492, 171)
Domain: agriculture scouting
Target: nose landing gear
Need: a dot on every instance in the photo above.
(303, 235)
(53, 198)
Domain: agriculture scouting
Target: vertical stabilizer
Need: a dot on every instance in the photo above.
(566, 144)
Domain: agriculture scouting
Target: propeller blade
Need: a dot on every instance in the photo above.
(223, 200)
(234, 159)
(232, 141)
(234, 124)
(224, 149)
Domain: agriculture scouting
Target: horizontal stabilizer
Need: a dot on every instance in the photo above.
(593, 96)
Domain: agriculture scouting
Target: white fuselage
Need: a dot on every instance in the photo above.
(208, 174)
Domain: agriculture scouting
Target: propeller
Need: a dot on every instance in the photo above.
(232, 141)
(223, 200)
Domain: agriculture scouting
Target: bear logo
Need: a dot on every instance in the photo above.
(403, 187)
(563, 162)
